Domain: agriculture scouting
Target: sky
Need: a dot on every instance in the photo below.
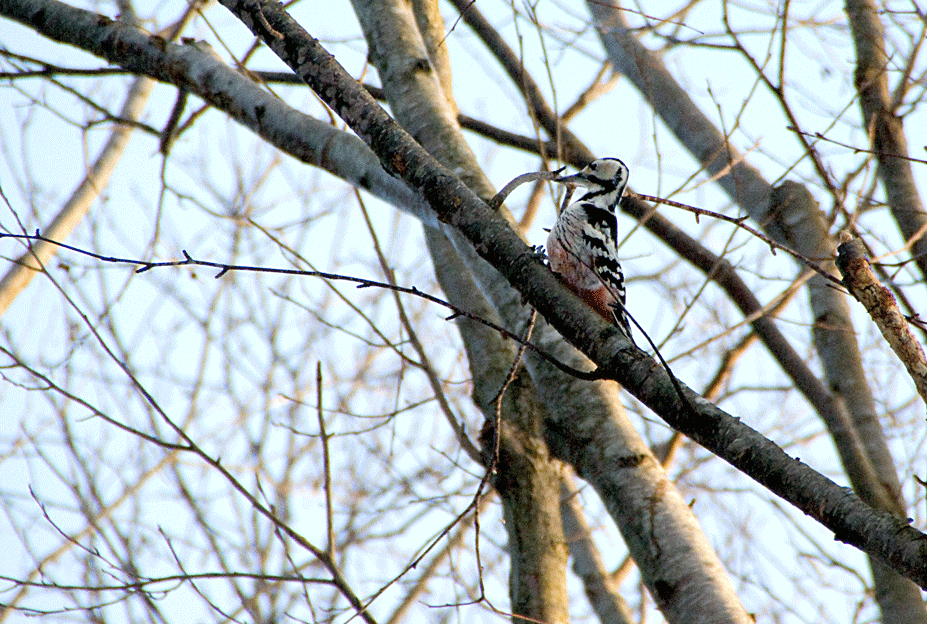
(218, 172)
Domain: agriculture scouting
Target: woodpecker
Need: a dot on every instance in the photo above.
(582, 245)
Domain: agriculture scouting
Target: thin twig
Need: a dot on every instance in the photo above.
(496, 201)
(740, 222)
(326, 465)
(189, 260)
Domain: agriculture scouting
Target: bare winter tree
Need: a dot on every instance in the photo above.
(461, 438)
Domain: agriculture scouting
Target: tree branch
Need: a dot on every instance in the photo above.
(878, 533)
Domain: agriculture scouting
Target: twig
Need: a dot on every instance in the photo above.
(144, 265)
(496, 201)
(856, 149)
(740, 222)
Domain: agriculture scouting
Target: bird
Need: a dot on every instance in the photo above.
(582, 245)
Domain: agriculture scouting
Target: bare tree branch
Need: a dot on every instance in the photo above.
(881, 306)
(495, 242)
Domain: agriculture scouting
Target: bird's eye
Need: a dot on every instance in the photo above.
(593, 165)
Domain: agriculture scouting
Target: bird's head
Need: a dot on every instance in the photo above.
(604, 180)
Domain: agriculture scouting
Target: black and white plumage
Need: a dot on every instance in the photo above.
(582, 247)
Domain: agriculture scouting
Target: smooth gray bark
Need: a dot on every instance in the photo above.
(874, 476)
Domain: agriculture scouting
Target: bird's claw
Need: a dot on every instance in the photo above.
(538, 252)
